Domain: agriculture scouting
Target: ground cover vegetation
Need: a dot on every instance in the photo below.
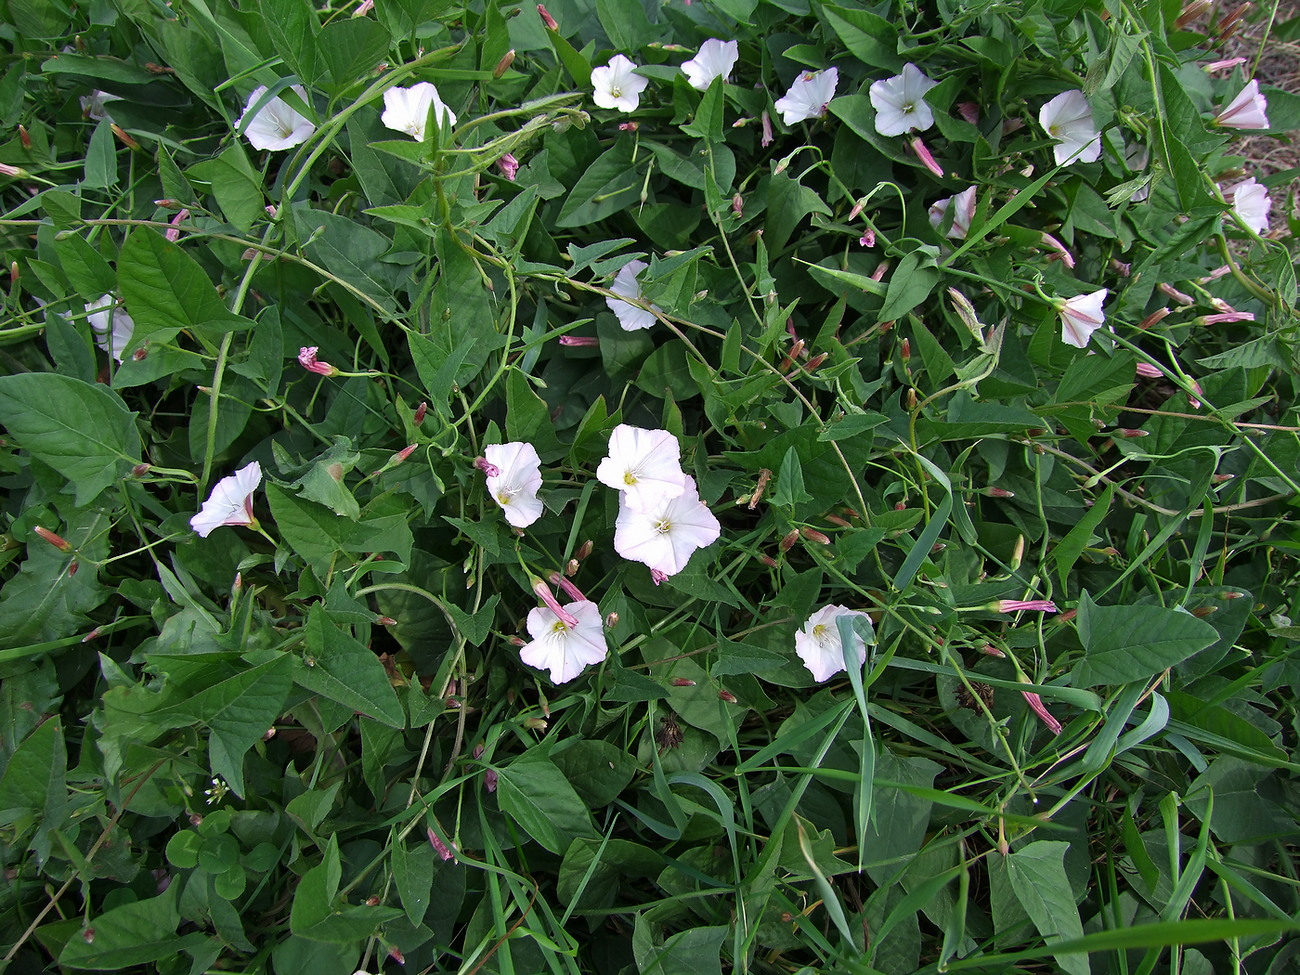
(746, 485)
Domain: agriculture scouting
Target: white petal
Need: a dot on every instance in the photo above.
(715, 60)
(1067, 118)
(230, 502)
(1081, 317)
(616, 85)
(565, 651)
(515, 488)
(630, 317)
(665, 537)
(277, 125)
(808, 96)
(1251, 203)
(646, 465)
(819, 645)
(112, 326)
(900, 102)
(407, 109)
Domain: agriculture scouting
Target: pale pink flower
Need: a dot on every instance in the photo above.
(1223, 65)
(630, 317)
(666, 535)
(580, 341)
(820, 646)
(766, 122)
(1081, 316)
(644, 465)
(277, 125)
(1067, 118)
(231, 501)
(565, 649)
(307, 359)
(508, 165)
(112, 326)
(1179, 296)
(518, 479)
(1251, 203)
(715, 60)
(963, 211)
(617, 85)
(1016, 605)
(1147, 371)
(808, 97)
(1246, 111)
(407, 109)
(900, 102)
(1227, 316)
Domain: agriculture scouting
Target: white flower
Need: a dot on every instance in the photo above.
(819, 645)
(1080, 317)
(665, 535)
(715, 60)
(1067, 118)
(630, 317)
(407, 109)
(277, 125)
(231, 501)
(617, 86)
(515, 487)
(1246, 111)
(1250, 201)
(900, 102)
(645, 465)
(112, 326)
(962, 215)
(808, 96)
(92, 105)
(562, 649)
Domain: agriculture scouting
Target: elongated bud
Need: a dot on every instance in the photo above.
(57, 541)
(122, 137)
(905, 350)
(858, 207)
(438, 845)
(1017, 605)
(508, 166)
(682, 682)
(989, 650)
(580, 341)
(584, 550)
(92, 635)
(813, 535)
(421, 412)
(768, 137)
(611, 621)
(23, 137)
(1018, 553)
(173, 232)
(570, 590)
(14, 273)
(16, 172)
(727, 696)
(73, 566)
(1202, 611)
(544, 593)
(764, 475)
(1190, 12)
(997, 492)
(1130, 433)
(813, 364)
(1062, 253)
(738, 205)
(571, 567)
(923, 154)
(307, 359)
(535, 724)
(788, 541)
(385, 621)
(547, 19)
(1160, 314)
(1178, 296)
(503, 65)
(1039, 708)
(767, 560)
(395, 952)
(487, 467)
(911, 398)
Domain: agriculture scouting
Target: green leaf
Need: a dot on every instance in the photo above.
(911, 283)
(537, 796)
(101, 158)
(83, 431)
(413, 874)
(352, 48)
(85, 267)
(35, 781)
(1128, 643)
(344, 670)
(313, 531)
(1069, 548)
(165, 289)
(235, 184)
(1037, 875)
(475, 627)
(133, 934)
(313, 899)
(292, 27)
(612, 183)
(790, 490)
(323, 482)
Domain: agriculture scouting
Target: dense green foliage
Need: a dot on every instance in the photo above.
(306, 742)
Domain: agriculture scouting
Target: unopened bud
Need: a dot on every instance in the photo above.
(727, 696)
(1202, 611)
(905, 350)
(504, 64)
(95, 633)
(385, 621)
(1129, 433)
(88, 935)
(767, 560)
(1178, 296)
(788, 541)
(395, 953)
(547, 19)
(738, 205)
(1221, 478)
(764, 475)
(989, 650)
(815, 362)
(17, 172)
(997, 492)
(123, 138)
(1231, 594)
(1156, 316)
(813, 535)
(911, 399)
(23, 137)
(611, 621)
(420, 412)
(535, 724)
(57, 541)
(571, 567)
(402, 455)
(584, 550)
(269, 733)
(682, 682)
(372, 900)
(1018, 553)
(13, 273)
(73, 566)
(1068, 615)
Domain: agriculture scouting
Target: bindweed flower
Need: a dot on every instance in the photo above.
(307, 359)
(715, 60)
(231, 501)
(808, 97)
(923, 153)
(1246, 111)
(173, 232)
(508, 165)
(1062, 251)
(1039, 708)
(565, 649)
(963, 211)
(665, 535)
(765, 121)
(1147, 371)
(277, 124)
(438, 845)
(1067, 118)
(407, 109)
(112, 326)
(644, 465)
(820, 647)
(518, 479)
(900, 102)
(616, 85)
(1250, 202)
(92, 105)
(1016, 605)
(630, 317)
(1081, 316)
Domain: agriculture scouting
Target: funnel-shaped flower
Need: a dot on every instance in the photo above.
(617, 85)
(1246, 111)
(1081, 316)
(808, 97)
(645, 465)
(963, 211)
(112, 326)
(900, 102)
(1067, 118)
(1250, 202)
(715, 60)
(819, 645)
(407, 109)
(277, 124)
(666, 535)
(564, 649)
(630, 317)
(518, 479)
(231, 501)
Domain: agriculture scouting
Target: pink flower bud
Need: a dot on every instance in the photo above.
(1120, 268)
(788, 541)
(997, 492)
(682, 682)
(1130, 433)
(1159, 315)
(767, 138)
(571, 567)
(14, 171)
(970, 111)
(1227, 316)
(570, 590)
(579, 341)
(658, 576)
(307, 359)
(816, 361)
(989, 650)
(1063, 253)
(508, 164)
(1178, 296)
(173, 233)
(584, 549)
(96, 633)
(1223, 65)
(544, 593)
(438, 845)
(402, 455)
(1016, 605)
(923, 153)
(547, 19)
(502, 67)
(490, 780)
(421, 412)
(57, 541)
(1039, 708)
(738, 205)
(488, 468)
(727, 696)
(385, 621)
(813, 535)
(394, 952)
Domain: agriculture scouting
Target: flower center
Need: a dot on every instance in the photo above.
(663, 526)
(616, 91)
(629, 478)
(504, 496)
(909, 108)
(819, 632)
(559, 627)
